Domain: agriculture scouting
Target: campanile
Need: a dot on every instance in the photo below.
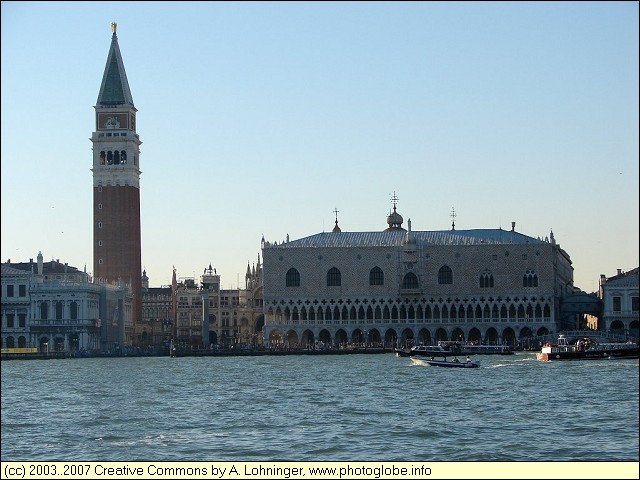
(116, 182)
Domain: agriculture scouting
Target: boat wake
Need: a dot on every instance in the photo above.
(514, 363)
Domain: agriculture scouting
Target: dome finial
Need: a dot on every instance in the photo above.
(394, 220)
(114, 27)
(336, 229)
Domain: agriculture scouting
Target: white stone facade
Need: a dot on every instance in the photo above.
(55, 307)
(619, 296)
(489, 285)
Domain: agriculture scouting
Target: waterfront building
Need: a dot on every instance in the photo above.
(202, 315)
(16, 306)
(189, 313)
(156, 327)
(251, 307)
(208, 316)
(116, 182)
(56, 307)
(619, 296)
(403, 286)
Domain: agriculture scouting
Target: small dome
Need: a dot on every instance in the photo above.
(394, 220)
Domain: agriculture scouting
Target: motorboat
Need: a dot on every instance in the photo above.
(452, 364)
(455, 363)
(585, 349)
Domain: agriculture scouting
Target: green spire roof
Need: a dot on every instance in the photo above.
(114, 89)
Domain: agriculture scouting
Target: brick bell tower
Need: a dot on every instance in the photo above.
(116, 183)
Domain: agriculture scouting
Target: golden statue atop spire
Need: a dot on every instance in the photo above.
(114, 27)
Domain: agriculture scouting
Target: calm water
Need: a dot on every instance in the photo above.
(319, 408)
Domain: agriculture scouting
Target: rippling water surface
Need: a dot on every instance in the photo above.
(315, 408)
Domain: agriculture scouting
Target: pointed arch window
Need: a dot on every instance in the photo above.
(486, 280)
(376, 276)
(410, 281)
(334, 278)
(530, 279)
(292, 278)
(445, 275)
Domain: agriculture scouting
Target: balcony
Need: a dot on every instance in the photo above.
(40, 325)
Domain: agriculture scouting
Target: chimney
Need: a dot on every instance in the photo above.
(619, 271)
(513, 226)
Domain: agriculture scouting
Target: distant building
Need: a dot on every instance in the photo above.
(251, 305)
(189, 313)
(210, 316)
(404, 286)
(619, 296)
(201, 315)
(156, 327)
(116, 182)
(55, 307)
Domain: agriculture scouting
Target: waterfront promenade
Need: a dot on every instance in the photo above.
(12, 354)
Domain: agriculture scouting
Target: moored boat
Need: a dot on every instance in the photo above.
(585, 349)
(449, 348)
(479, 349)
(442, 349)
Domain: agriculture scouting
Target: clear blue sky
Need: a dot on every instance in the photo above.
(262, 118)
